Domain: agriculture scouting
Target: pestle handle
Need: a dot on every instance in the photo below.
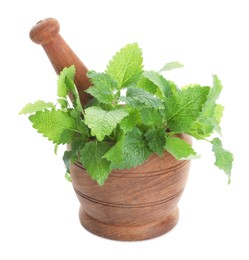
(46, 33)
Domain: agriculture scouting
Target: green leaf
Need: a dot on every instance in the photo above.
(103, 87)
(183, 108)
(66, 85)
(159, 81)
(152, 117)
(130, 121)
(92, 159)
(204, 127)
(137, 97)
(35, 107)
(82, 128)
(93, 102)
(67, 159)
(74, 113)
(223, 158)
(52, 124)
(63, 102)
(218, 113)
(211, 114)
(156, 140)
(76, 145)
(75, 95)
(115, 154)
(66, 73)
(147, 85)
(56, 146)
(171, 66)
(173, 87)
(126, 66)
(213, 95)
(102, 122)
(133, 149)
(68, 177)
(66, 136)
(200, 129)
(180, 149)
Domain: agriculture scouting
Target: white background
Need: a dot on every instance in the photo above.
(39, 210)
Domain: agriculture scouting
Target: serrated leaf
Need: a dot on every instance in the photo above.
(211, 114)
(126, 66)
(73, 113)
(130, 121)
(103, 87)
(75, 95)
(171, 66)
(173, 87)
(190, 86)
(115, 154)
(152, 117)
(180, 149)
(134, 150)
(76, 145)
(213, 95)
(156, 139)
(35, 107)
(159, 81)
(66, 136)
(82, 128)
(204, 127)
(223, 158)
(147, 85)
(102, 122)
(91, 156)
(183, 108)
(52, 124)
(200, 129)
(137, 97)
(66, 73)
(218, 113)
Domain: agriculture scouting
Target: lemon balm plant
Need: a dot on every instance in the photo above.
(136, 130)
(132, 115)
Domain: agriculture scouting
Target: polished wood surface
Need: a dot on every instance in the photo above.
(46, 33)
(135, 204)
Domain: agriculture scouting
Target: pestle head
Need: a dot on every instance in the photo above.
(45, 31)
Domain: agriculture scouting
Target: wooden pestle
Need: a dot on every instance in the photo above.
(46, 33)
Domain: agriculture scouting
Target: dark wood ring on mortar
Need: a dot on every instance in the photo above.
(143, 205)
(121, 173)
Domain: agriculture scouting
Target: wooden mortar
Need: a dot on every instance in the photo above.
(135, 204)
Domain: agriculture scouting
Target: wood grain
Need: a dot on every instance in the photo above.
(46, 33)
(135, 204)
